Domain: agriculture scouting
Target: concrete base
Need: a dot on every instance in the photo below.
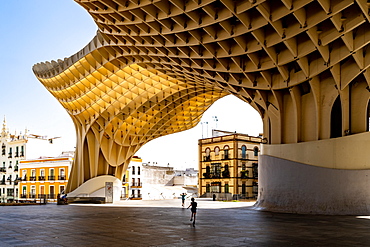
(94, 189)
(292, 187)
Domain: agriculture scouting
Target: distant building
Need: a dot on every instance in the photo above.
(155, 182)
(12, 152)
(228, 165)
(134, 179)
(45, 177)
(14, 148)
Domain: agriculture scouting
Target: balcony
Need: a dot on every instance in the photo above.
(225, 157)
(63, 177)
(15, 168)
(2, 182)
(136, 196)
(2, 169)
(32, 178)
(22, 154)
(207, 158)
(41, 178)
(51, 177)
(136, 184)
(16, 154)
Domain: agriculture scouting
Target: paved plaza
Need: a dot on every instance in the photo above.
(166, 223)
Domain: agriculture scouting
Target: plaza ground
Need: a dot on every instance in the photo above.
(166, 223)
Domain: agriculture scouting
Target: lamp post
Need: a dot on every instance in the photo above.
(15, 182)
(202, 123)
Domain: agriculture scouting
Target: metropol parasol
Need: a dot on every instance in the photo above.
(155, 66)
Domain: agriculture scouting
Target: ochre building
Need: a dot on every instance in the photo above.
(44, 178)
(228, 166)
(155, 66)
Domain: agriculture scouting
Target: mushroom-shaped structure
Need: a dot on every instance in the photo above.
(156, 65)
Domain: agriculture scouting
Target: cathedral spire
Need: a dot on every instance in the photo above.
(3, 132)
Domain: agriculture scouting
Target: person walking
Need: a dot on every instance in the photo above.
(193, 209)
(183, 196)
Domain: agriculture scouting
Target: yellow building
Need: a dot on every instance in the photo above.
(45, 177)
(228, 166)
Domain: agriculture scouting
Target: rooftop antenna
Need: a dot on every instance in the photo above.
(215, 119)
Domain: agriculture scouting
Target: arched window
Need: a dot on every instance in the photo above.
(255, 150)
(336, 119)
(368, 117)
(244, 152)
(217, 150)
(208, 155)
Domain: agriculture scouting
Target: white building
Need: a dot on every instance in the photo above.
(14, 148)
(155, 182)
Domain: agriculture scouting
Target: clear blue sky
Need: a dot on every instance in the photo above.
(44, 30)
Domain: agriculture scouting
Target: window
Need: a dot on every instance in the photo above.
(138, 182)
(22, 151)
(42, 189)
(255, 170)
(42, 175)
(226, 172)
(216, 170)
(51, 174)
(133, 182)
(244, 152)
(10, 192)
(17, 151)
(244, 187)
(4, 164)
(208, 188)
(216, 187)
(33, 175)
(255, 150)
(3, 149)
(226, 152)
(62, 175)
(10, 153)
(133, 170)
(138, 170)
(33, 191)
(24, 190)
(10, 164)
(217, 150)
(52, 192)
(124, 178)
(207, 174)
(208, 155)
(226, 188)
(61, 189)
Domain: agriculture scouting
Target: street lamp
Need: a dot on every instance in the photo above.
(215, 119)
(202, 128)
(15, 182)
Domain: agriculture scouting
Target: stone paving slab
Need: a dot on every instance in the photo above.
(165, 223)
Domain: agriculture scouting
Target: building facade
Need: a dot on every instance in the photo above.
(12, 152)
(133, 187)
(45, 177)
(228, 166)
